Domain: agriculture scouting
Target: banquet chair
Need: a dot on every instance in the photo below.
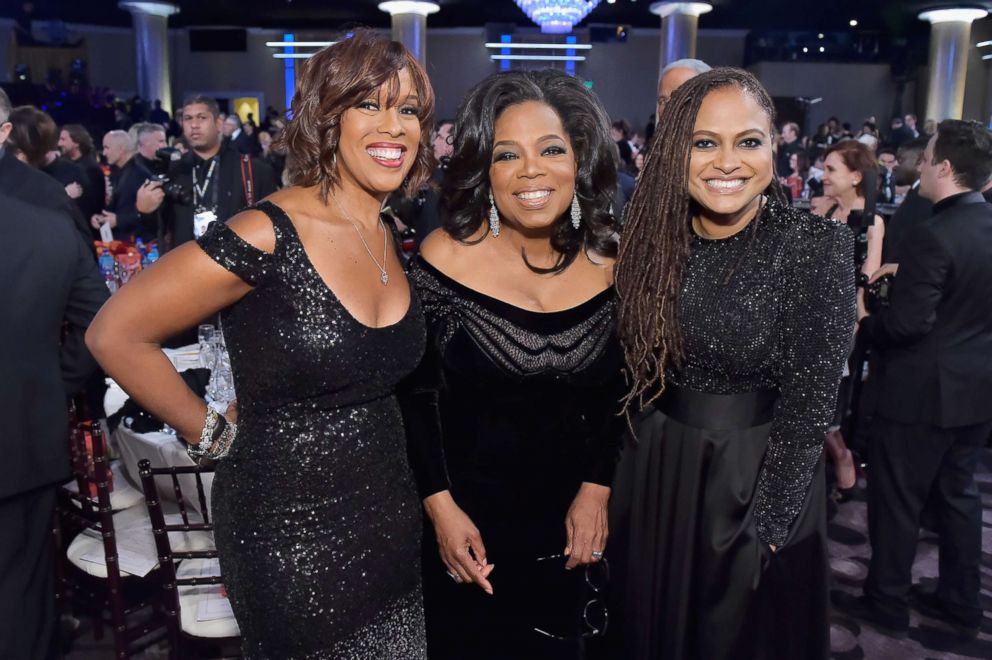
(190, 579)
(128, 604)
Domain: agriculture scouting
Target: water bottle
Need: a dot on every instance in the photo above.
(139, 245)
(152, 255)
(108, 269)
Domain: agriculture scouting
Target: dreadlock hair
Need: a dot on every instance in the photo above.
(465, 205)
(654, 246)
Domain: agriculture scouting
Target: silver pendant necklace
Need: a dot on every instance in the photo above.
(383, 275)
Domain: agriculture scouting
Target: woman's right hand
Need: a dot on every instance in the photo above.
(459, 541)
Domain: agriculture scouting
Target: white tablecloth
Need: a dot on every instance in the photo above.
(163, 450)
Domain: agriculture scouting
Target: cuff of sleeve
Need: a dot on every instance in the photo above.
(770, 534)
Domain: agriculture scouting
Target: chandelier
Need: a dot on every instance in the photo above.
(557, 16)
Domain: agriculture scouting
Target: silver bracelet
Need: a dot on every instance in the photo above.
(222, 447)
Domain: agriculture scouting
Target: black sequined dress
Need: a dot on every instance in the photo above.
(729, 460)
(511, 410)
(317, 518)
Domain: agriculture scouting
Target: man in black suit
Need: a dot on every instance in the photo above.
(934, 379)
(914, 208)
(24, 182)
(50, 281)
(222, 181)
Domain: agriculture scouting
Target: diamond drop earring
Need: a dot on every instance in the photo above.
(493, 216)
(576, 211)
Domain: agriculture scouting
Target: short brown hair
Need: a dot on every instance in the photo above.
(334, 80)
(34, 134)
(857, 158)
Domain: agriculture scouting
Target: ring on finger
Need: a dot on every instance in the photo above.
(597, 554)
(454, 576)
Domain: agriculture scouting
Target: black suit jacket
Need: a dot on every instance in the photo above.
(935, 339)
(33, 186)
(913, 211)
(231, 191)
(49, 280)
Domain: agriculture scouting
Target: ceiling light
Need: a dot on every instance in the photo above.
(805, 49)
(822, 49)
(540, 58)
(953, 15)
(494, 44)
(664, 9)
(853, 22)
(409, 7)
(557, 16)
(819, 36)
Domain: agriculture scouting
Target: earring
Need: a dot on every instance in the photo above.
(493, 216)
(576, 212)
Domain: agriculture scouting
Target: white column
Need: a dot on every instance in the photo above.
(950, 37)
(409, 21)
(151, 40)
(679, 26)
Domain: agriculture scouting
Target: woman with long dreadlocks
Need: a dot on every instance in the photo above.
(736, 313)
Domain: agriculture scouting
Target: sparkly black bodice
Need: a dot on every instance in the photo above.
(773, 307)
(318, 522)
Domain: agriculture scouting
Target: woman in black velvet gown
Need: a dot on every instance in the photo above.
(511, 418)
(317, 519)
(736, 313)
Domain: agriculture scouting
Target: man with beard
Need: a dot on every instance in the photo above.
(76, 145)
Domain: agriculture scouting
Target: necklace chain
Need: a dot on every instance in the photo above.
(383, 275)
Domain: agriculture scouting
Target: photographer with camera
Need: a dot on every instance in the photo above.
(212, 183)
(934, 378)
(131, 171)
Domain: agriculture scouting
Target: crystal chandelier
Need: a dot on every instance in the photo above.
(557, 16)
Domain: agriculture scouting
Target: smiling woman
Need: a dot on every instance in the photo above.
(512, 415)
(735, 314)
(317, 519)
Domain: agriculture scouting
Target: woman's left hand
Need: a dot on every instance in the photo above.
(586, 525)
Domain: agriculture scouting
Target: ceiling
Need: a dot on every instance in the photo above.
(896, 17)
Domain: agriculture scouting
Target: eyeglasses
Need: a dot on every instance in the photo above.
(595, 616)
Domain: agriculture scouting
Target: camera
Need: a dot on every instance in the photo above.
(160, 169)
(878, 294)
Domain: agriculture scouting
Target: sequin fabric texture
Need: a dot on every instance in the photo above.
(773, 306)
(318, 523)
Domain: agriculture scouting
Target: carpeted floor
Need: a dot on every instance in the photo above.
(928, 638)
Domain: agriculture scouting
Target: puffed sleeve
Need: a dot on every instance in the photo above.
(817, 324)
(223, 245)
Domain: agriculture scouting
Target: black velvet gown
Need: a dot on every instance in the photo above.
(729, 460)
(511, 411)
(317, 518)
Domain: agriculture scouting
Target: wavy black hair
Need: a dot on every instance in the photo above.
(466, 187)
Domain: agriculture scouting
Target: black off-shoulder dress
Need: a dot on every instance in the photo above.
(729, 460)
(511, 411)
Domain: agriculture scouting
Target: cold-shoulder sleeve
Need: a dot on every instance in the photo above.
(817, 325)
(237, 255)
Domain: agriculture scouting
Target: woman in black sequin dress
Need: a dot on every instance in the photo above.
(739, 311)
(512, 417)
(317, 519)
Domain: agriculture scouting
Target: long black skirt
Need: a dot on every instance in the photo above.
(691, 577)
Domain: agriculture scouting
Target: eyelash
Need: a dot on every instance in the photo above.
(372, 105)
(558, 151)
(702, 144)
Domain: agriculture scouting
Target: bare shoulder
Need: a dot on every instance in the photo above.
(254, 227)
(603, 264)
(440, 249)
